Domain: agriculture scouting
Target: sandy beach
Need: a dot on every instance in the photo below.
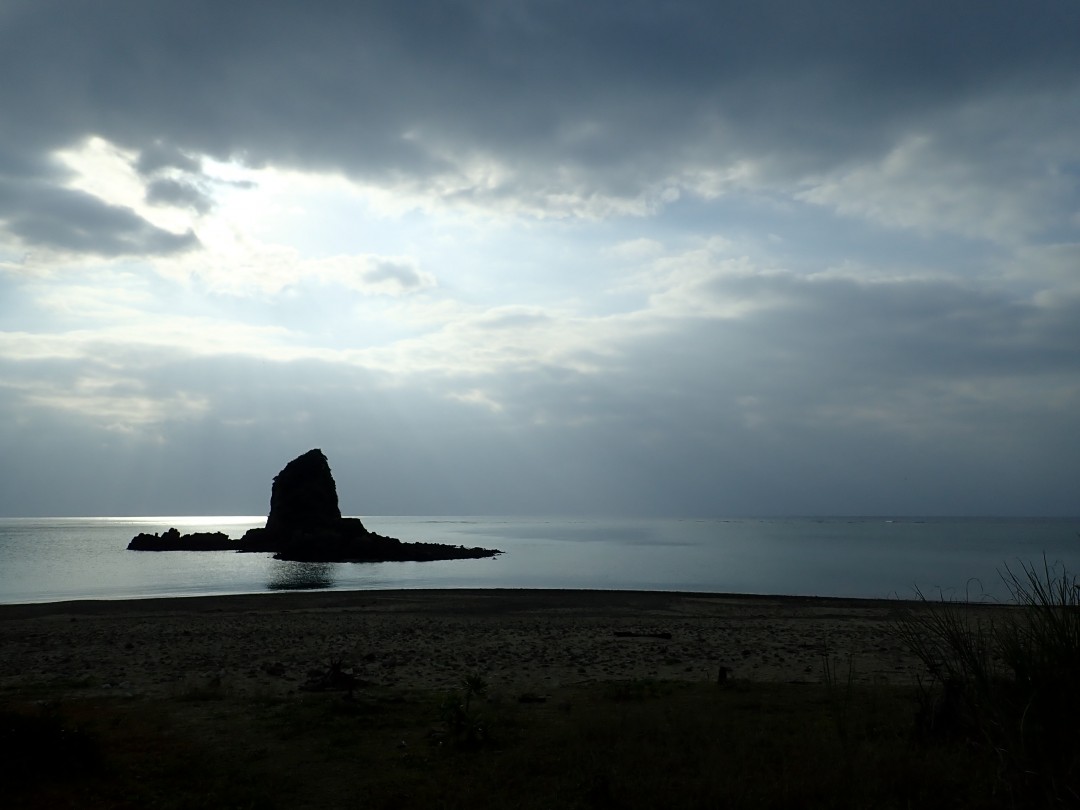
(517, 639)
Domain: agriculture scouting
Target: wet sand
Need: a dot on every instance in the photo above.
(519, 640)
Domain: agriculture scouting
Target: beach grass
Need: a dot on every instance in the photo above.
(1007, 683)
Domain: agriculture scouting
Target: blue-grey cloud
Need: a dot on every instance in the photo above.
(179, 193)
(402, 275)
(160, 156)
(848, 397)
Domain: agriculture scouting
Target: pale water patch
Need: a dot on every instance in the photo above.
(51, 559)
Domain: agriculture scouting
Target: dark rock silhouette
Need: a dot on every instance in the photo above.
(305, 524)
(304, 496)
(172, 540)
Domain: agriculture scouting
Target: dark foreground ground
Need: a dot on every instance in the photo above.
(471, 699)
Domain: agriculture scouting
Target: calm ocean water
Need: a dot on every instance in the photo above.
(53, 559)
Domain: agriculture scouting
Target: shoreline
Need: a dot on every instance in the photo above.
(327, 598)
(315, 599)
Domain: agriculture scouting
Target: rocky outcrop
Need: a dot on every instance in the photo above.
(346, 543)
(304, 496)
(305, 524)
(172, 540)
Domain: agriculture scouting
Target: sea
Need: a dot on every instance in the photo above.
(68, 558)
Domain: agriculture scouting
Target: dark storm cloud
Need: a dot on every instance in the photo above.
(617, 94)
(74, 221)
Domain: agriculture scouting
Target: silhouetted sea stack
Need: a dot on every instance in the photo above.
(305, 524)
(304, 496)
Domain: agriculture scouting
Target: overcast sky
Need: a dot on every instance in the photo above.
(609, 257)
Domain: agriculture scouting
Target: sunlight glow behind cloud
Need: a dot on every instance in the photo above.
(707, 261)
(108, 172)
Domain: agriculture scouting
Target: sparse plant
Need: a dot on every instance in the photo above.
(1006, 679)
(474, 686)
(839, 691)
(465, 726)
(335, 676)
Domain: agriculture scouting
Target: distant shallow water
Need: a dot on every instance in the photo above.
(54, 559)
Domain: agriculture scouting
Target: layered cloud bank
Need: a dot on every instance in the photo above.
(691, 258)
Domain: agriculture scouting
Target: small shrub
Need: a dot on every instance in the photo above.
(464, 725)
(335, 676)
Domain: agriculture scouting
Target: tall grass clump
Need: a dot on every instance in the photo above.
(1006, 679)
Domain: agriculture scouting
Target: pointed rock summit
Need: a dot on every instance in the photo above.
(305, 523)
(304, 495)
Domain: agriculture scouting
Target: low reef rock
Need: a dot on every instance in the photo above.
(305, 524)
(172, 540)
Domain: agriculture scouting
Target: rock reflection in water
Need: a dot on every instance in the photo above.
(301, 576)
